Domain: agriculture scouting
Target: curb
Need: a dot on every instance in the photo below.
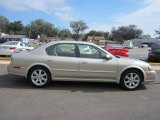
(154, 64)
(5, 58)
(5, 62)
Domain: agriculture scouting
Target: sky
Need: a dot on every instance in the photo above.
(99, 15)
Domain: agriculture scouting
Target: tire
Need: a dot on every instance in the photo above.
(131, 79)
(39, 77)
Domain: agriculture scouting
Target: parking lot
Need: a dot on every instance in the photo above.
(139, 53)
(77, 100)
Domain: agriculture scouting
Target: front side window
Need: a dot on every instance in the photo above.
(88, 51)
(64, 49)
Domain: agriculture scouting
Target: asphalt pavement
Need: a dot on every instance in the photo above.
(139, 53)
(19, 100)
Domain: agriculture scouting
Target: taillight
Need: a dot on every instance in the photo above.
(12, 48)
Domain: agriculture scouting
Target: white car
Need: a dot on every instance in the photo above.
(143, 45)
(128, 44)
(9, 47)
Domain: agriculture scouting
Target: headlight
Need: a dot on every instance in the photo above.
(150, 68)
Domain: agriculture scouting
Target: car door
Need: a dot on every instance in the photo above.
(93, 65)
(62, 60)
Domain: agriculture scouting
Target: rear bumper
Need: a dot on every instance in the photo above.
(12, 69)
(6, 52)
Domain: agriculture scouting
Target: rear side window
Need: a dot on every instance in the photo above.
(64, 49)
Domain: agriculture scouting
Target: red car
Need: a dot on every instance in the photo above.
(117, 50)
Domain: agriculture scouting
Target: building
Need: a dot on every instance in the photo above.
(148, 41)
(99, 40)
(6, 37)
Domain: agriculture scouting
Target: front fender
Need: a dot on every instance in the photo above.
(120, 72)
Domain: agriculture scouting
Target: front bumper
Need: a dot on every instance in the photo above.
(150, 76)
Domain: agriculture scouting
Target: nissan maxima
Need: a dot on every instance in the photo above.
(78, 61)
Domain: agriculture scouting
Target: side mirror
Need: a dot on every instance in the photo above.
(108, 57)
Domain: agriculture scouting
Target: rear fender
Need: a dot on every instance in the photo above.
(38, 64)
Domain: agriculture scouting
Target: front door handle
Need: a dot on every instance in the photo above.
(49, 60)
(84, 62)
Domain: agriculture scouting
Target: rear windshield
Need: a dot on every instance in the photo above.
(10, 43)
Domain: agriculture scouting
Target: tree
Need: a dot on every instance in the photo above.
(3, 24)
(125, 33)
(158, 33)
(15, 27)
(41, 27)
(98, 33)
(78, 26)
(115, 35)
(65, 33)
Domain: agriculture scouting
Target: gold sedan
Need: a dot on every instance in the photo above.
(79, 61)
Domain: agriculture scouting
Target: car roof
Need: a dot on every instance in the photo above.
(63, 41)
(80, 42)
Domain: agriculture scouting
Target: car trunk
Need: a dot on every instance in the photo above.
(8, 47)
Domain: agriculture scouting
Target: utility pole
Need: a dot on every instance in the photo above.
(29, 31)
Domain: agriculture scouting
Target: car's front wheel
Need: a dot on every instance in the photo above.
(39, 76)
(131, 79)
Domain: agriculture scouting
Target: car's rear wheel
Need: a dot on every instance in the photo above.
(39, 76)
(131, 79)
